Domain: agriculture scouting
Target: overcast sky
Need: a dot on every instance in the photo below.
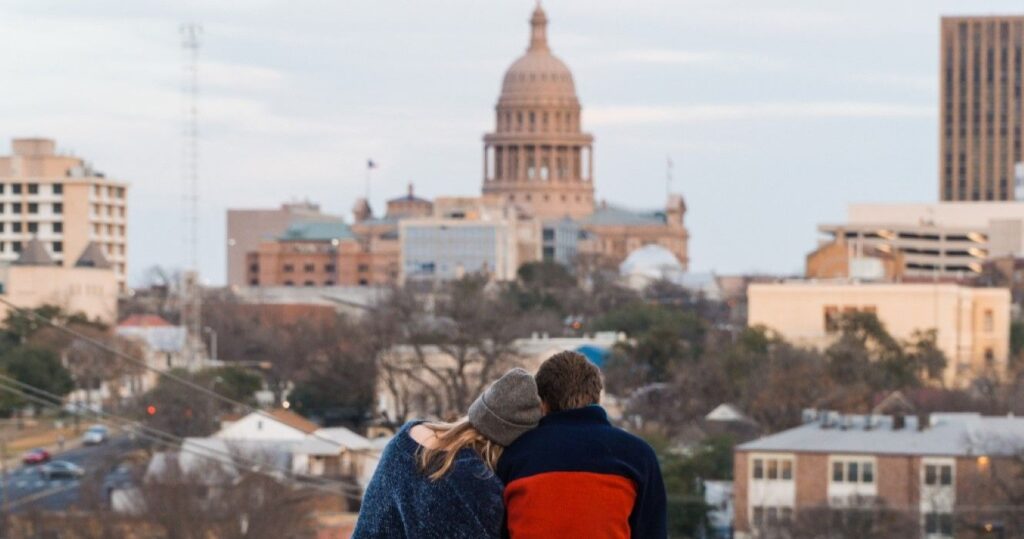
(776, 113)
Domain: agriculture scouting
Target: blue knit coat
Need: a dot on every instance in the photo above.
(402, 502)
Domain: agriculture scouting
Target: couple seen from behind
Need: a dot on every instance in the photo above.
(535, 457)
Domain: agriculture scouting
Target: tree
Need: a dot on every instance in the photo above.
(38, 367)
(178, 409)
(684, 475)
(437, 361)
(868, 517)
(661, 338)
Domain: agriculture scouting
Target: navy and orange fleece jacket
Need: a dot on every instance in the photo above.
(576, 475)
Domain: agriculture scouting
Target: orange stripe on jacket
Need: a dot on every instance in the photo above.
(600, 505)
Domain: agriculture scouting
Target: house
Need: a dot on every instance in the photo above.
(938, 471)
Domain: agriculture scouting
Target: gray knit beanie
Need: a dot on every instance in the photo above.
(508, 408)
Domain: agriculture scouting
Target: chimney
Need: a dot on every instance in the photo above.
(924, 421)
(898, 422)
(869, 421)
(808, 415)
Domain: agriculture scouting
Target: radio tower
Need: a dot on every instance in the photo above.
(191, 303)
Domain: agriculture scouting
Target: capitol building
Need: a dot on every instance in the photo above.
(537, 203)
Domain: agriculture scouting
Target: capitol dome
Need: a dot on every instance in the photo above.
(651, 261)
(538, 73)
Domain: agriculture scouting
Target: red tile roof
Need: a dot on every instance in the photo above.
(144, 320)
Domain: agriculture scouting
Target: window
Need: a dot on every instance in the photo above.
(16, 207)
(849, 470)
(2, 188)
(33, 227)
(58, 188)
(16, 246)
(58, 207)
(773, 469)
(309, 268)
(938, 474)
(33, 207)
(16, 188)
(938, 524)
(329, 268)
(33, 188)
(58, 247)
(362, 268)
(945, 475)
(308, 283)
(254, 268)
(758, 516)
(16, 227)
(288, 268)
(549, 234)
(58, 227)
(852, 472)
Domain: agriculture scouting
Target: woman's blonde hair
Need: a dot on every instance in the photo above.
(450, 439)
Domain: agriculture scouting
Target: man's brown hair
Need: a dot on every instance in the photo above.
(568, 380)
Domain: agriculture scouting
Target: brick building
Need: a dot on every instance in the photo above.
(939, 471)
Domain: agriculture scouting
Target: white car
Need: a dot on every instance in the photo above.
(97, 434)
(60, 469)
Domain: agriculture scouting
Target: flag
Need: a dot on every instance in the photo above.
(370, 165)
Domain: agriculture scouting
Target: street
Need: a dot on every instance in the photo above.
(25, 488)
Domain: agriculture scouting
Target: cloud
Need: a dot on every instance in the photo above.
(625, 115)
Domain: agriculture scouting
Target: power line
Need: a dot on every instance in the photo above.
(143, 431)
(188, 383)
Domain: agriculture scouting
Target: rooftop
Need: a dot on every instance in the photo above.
(614, 215)
(317, 231)
(946, 434)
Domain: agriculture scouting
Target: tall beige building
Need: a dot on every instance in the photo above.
(538, 157)
(64, 203)
(981, 112)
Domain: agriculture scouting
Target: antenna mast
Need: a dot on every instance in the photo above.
(191, 294)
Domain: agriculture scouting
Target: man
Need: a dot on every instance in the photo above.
(576, 475)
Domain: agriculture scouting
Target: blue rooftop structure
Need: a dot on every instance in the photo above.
(595, 354)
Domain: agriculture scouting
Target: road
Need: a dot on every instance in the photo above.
(24, 488)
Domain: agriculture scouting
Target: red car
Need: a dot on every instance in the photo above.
(36, 456)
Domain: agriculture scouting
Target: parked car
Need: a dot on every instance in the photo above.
(61, 469)
(36, 456)
(96, 434)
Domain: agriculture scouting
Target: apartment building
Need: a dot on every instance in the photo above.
(972, 325)
(980, 107)
(62, 201)
(939, 471)
(946, 239)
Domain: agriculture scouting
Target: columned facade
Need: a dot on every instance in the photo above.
(538, 156)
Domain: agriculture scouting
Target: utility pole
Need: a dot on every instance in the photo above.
(191, 304)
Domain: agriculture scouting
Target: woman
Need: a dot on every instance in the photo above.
(437, 479)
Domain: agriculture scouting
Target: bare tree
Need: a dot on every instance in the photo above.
(449, 346)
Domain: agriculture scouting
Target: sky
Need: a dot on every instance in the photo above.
(775, 113)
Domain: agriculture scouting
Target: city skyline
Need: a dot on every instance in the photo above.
(761, 111)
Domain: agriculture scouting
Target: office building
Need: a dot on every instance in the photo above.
(62, 201)
(972, 325)
(247, 228)
(980, 107)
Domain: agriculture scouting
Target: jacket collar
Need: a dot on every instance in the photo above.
(588, 415)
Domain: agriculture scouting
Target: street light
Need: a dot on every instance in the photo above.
(213, 341)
